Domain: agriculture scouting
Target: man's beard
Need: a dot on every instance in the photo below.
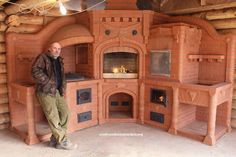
(55, 57)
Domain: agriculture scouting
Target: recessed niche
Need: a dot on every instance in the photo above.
(120, 105)
(157, 117)
(158, 96)
(120, 62)
(160, 62)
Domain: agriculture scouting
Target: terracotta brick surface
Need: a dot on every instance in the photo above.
(198, 84)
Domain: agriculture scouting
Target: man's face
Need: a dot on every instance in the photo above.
(55, 50)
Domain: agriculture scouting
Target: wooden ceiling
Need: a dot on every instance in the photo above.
(174, 7)
(38, 6)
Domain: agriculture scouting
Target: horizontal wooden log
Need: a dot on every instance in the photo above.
(233, 114)
(4, 108)
(2, 57)
(3, 78)
(224, 24)
(3, 26)
(225, 31)
(2, 48)
(3, 99)
(3, 2)
(201, 9)
(233, 123)
(234, 94)
(2, 16)
(221, 14)
(234, 104)
(16, 20)
(210, 2)
(23, 5)
(4, 118)
(2, 37)
(3, 88)
(3, 68)
(4, 126)
(25, 28)
(201, 15)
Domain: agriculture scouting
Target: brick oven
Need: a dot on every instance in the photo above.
(175, 73)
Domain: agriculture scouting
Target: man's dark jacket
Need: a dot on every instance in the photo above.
(44, 74)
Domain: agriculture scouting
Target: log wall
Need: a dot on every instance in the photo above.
(19, 24)
(4, 112)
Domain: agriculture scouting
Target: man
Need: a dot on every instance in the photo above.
(48, 72)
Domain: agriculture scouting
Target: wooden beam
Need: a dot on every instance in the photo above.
(25, 28)
(3, 58)
(3, 78)
(226, 31)
(233, 115)
(3, 69)
(221, 14)
(3, 26)
(234, 104)
(201, 15)
(201, 9)
(2, 16)
(4, 118)
(2, 37)
(3, 89)
(210, 2)
(224, 24)
(2, 48)
(3, 98)
(233, 122)
(23, 5)
(16, 20)
(4, 108)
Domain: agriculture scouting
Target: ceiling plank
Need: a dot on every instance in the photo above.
(24, 5)
(201, 9)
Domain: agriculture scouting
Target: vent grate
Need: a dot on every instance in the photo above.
(157, 117)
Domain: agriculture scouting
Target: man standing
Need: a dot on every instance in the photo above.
(48, 72)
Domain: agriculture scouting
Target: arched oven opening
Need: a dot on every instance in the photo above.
(120, 106)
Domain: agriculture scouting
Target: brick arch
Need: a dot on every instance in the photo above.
(113, 91)
(75, 40)
(71, 34)
(120, 49)
(118, 42)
